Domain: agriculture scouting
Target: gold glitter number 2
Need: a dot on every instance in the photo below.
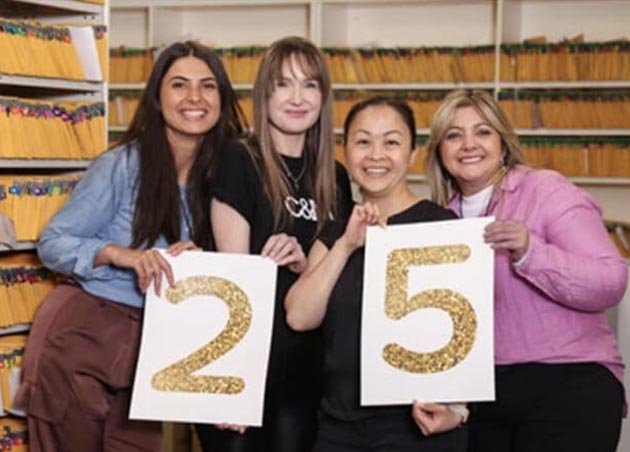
(178, 377)
(453, 303)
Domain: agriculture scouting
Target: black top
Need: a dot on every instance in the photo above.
(239, 185)
(342, 322)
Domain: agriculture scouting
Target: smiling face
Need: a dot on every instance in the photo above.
(296, 101)
(379, 152)
(190, 100)
(471, 151)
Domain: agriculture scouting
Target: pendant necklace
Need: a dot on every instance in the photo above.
(294, 179)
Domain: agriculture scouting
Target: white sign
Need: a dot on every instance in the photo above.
(205, 342)
(427, 325)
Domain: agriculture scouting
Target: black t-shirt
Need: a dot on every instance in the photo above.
(239, 185)
(342, 322)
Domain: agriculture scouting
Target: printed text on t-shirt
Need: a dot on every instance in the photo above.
(302, 208)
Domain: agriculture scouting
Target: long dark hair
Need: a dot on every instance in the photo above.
(158, 206)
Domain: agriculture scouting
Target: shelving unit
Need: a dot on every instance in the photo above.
(401, 23)
(397, 23)
(36, 89)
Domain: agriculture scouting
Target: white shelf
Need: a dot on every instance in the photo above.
(118, 128)
(584, 181)
(574, 132)
(565, 85)
(184, 4)
(127, 86)
(51, 83)
(20, 246)
(14, 329)
(602, 181)
(67, 5)
(43, 163)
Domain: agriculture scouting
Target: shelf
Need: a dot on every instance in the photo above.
(412, 86)
(606, 181)
(14, 329)
(31, 8)
(133, 4)
(601, 181)
(51, 83)
(43, 164)
(344, 86)
(127, 86)
(20, 246)
(119, 128)
(574, 132)
(565, 85)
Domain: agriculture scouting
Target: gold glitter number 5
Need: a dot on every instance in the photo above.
(178, 377)
(455, 304)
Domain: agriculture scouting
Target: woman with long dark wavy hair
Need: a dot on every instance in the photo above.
(151, 191)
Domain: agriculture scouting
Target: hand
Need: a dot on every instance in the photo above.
(149, 265)
(285, 250)
(233, 427)
(432, 418)
(179, 247)
(508, 235)
(362, 216)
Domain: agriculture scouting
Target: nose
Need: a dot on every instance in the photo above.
(376, 151)
(194, 93)
(469, 141)
(296, 94)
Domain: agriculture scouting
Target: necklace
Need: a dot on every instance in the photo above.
(294, 179)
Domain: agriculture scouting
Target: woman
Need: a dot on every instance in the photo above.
(271, 199)
(379, 137)
(558, 371)
(82, 350)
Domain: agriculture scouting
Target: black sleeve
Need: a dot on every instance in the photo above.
(344, 192)
(238, 183)
(332, 231)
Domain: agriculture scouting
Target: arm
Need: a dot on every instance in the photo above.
(70, 242)
(230, 229)
(572, 260)
(307, 300)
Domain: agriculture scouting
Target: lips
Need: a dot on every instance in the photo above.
(471, 160)
(376, 171)
(296, 113)
(193, 114)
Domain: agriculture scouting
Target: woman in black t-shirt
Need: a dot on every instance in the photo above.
(271, 198)
(379, 136)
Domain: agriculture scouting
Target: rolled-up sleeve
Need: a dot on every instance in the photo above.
(74, 236)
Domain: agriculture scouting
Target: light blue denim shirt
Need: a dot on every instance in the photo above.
(99, 212)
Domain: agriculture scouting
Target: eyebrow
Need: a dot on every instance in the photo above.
(478, 124)
(181, 77)
(389, 132)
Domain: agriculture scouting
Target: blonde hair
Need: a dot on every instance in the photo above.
(440, 181)
(319, 144)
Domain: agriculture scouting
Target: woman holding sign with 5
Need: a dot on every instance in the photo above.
(379, 140)
(558, 371)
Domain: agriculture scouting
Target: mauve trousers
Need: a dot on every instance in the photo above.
(77, 375)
